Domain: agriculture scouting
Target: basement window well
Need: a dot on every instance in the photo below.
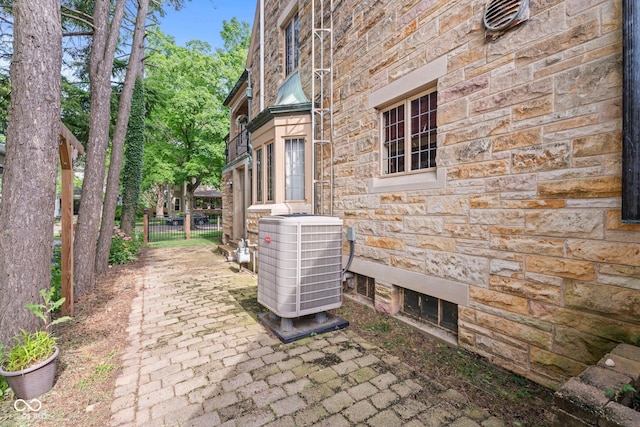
(430, 309)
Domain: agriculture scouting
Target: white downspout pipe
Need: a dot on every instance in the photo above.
(261, 55)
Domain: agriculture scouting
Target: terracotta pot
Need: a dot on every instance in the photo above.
(33, 381)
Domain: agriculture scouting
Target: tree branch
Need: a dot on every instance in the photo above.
(77, 33)
(84, 21)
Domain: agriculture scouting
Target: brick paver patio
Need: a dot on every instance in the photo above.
(196, 357)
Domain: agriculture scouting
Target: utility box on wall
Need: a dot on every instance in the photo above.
(300, 264)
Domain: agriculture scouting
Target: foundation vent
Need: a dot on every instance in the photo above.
(500, 15)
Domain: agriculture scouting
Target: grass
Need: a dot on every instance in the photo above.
(179, 243)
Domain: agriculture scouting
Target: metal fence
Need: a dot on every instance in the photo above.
(204, 226)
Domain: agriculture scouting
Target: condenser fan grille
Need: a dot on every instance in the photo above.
(500, 14)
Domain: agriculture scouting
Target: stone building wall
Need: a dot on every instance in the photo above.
(524, 222)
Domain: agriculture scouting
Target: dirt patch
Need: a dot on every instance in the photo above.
(510, 397)
(89, 362)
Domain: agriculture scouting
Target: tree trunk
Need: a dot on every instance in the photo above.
(31, 163)
(117, 144)
(105, 38)
(132, 172)
(158, 190)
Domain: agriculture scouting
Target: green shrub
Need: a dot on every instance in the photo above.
(56, 273)
(124, 249)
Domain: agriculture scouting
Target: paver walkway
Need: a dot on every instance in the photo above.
(196, 357)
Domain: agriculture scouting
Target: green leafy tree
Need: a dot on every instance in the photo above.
(190, 84)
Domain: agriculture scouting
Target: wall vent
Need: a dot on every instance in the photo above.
(500, 15)
(300, 264)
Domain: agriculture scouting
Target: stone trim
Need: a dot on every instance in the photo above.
(448, 290)
(415, 81)
(420, 180)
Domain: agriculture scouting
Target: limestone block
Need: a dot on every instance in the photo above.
(466, 231)
(474, 151)
(609, 252)
(619, 275)
(555, 362)
(519, 139)
(464, 89)
(582, 347)
(385, 243)
(526, 182)
(499, 300)
(453, 111)
(461, 268)
(539, 158)
(478, 170)
(589, 83)
(387, 298)
(407, 263)
(505, 268)
(456, 15)
(586, 322)
(424, 225)
(484, 201)
(581, 188)
(436, 243)
(508, 97)
(503, 217)
(464, 58)
(527, 244)
(518, 331)
(570, 269)
(612, 301)
(533, 108)
(472, 131)
(447, 205)
(593, 145)
(565, 223)
(526, 289)
(533, 204)
(515, 355)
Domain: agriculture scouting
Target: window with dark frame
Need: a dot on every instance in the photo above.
(259, 178)
(416, 135)
(430, 309)
(291, 45)
(270, 172)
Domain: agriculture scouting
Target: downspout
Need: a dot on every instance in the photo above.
(261, 55)
(248, 186)
(630, 112)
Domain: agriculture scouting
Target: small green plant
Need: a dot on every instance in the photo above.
(35, 347)
(626, 392)
(124, 249)
(56, 273)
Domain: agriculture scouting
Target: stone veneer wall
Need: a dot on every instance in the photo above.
(227, 207)
(529, 134)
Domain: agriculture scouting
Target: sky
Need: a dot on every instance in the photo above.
(202, 19)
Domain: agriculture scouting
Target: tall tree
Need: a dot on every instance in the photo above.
(117, 144)
(191, 85)
(134, 150)
(106, 30)
(31, 164)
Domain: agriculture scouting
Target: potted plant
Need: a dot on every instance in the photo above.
(30, 365)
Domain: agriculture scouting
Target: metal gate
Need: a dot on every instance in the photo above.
(202, 225)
